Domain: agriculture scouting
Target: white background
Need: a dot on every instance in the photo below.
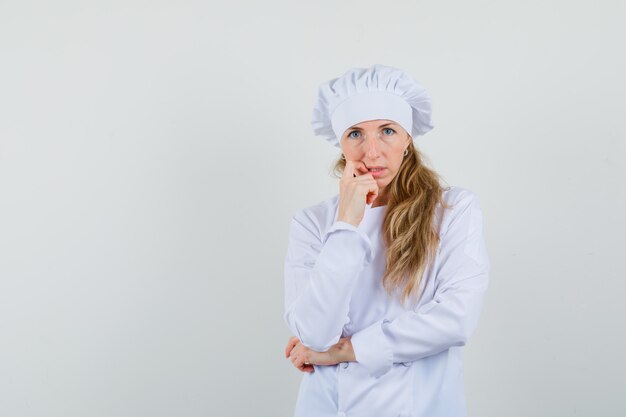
(152, 153)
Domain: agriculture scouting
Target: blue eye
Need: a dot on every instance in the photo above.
(350, 134)
(388, 128)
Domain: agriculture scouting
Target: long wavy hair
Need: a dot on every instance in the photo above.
(411, 225)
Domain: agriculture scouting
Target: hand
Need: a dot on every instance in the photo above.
(357, 187)
(299, 354)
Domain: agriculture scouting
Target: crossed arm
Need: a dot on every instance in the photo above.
(319, 278)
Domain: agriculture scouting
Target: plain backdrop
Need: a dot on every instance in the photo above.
(153, 152)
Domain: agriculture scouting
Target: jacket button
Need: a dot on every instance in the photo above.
(344, 365)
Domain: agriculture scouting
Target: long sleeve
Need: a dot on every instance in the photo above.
(320, 273)
(452, 315)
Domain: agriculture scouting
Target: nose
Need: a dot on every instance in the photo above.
(371, 146)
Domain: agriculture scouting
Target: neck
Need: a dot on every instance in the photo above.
(381, 200)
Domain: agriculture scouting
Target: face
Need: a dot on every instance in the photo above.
(376, 143)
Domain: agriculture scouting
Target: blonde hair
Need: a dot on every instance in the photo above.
(410, 227)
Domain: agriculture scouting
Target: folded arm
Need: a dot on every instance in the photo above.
(320, 274)
(461, 279)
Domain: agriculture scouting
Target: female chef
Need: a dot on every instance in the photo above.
(384, 281)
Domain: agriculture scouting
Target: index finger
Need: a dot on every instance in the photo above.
(352, 168)
(293, 340)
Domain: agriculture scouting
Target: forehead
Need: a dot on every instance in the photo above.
(371, 124)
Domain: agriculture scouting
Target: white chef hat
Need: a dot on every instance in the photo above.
(377, 92)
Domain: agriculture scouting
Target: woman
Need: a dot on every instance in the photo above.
(384, 282)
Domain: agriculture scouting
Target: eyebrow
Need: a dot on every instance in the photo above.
(383, 125)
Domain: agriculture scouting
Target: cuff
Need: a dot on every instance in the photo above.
(364, 238)
(372, 350)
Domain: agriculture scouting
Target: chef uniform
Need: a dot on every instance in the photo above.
(409, 360)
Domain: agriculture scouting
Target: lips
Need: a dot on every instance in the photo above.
(377, 173)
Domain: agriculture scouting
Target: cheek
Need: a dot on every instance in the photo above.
(349, 151)
(395, 165)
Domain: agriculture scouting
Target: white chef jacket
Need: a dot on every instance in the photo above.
(408, 358)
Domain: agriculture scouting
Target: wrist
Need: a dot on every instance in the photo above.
(352, 222)
(347, 353)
